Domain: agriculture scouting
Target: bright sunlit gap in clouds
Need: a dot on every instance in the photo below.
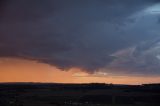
(21, 70)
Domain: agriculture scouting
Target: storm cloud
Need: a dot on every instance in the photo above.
(119, 36)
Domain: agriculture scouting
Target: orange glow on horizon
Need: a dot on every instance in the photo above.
(21, 70)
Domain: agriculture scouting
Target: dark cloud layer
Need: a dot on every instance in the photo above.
(116, 35)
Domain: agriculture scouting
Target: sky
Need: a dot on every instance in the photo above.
(80, 41)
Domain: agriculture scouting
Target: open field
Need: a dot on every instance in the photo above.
(31, 94)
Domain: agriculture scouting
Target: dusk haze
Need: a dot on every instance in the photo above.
(76, 51)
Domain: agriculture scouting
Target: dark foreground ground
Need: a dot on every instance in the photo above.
(36, 94)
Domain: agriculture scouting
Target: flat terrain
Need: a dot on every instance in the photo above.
(38, 94)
